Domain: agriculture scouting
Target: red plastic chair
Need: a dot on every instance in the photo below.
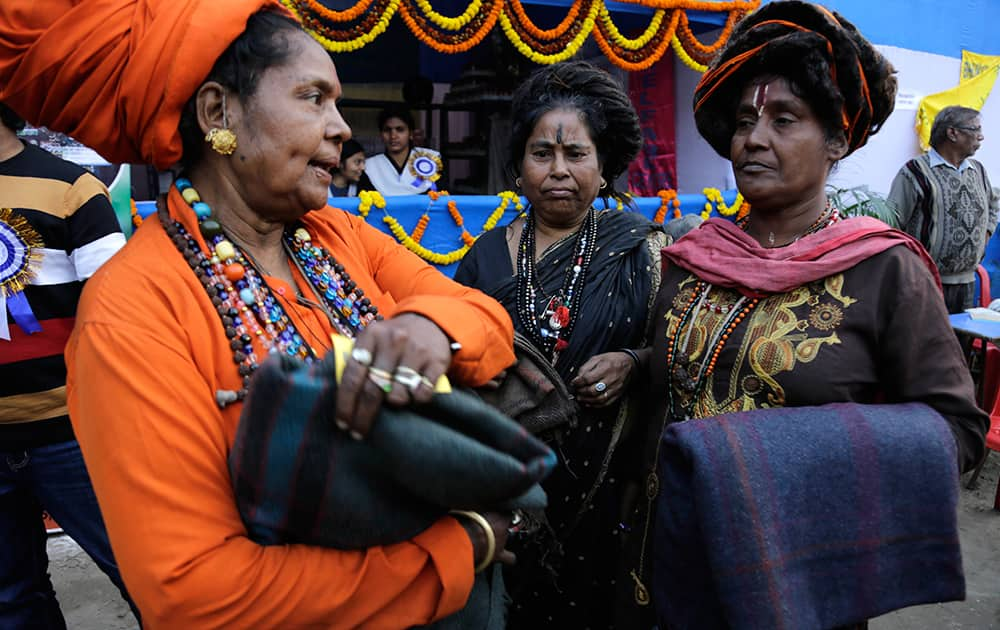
(992, 444)
(984, 286)
(990, 387)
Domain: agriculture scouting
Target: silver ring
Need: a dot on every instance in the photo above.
(362, 356)
(600, 386)
(407, 377)
(381, 378)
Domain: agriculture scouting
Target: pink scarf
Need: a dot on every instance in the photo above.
(722, 254)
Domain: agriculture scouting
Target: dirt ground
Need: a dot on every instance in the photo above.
(90, 602)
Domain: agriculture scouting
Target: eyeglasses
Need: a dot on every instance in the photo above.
(975, 130)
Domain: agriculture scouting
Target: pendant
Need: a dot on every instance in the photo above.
(652, 486)
(684, 380)
(641, 592)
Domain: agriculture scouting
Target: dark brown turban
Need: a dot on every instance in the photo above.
(831, 65)
(114, 74)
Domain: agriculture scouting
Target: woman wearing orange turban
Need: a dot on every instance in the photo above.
(238, 264)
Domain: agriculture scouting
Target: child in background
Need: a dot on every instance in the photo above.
(350, 178)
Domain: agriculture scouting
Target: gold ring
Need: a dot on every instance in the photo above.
(381, 378)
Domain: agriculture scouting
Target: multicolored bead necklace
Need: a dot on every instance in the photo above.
(550, 329)
(246, 304)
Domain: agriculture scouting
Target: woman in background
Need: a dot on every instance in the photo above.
(579, 284)
(349, 177)
(403, 169)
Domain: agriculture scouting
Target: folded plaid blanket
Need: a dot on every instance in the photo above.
(299, 479)
(805, 517)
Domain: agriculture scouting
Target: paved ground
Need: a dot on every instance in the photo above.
(90, 602)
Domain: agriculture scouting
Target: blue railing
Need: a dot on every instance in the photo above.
(443, 235)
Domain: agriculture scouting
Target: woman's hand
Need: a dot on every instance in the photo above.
(500, 523)
(603, 379)
(395, 361)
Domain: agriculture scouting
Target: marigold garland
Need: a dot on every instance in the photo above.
(332, 14)
(134, 210)
(686, 58)
(668, 198)
(568, 50)
(550, 34)
(357, 26)
(369, 198)
(412, 241)
(447, 23)
(418, 231)
(714, 200)
(326, 37)
(465, 37)
(631, 44)
(694, 46)
(642, 58)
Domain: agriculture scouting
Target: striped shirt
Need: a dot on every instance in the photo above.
(71, 211)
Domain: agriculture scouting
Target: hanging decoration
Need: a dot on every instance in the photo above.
(412, 240)
(356, 27)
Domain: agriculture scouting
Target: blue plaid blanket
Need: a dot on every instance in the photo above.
(299, 479)
(805, 517)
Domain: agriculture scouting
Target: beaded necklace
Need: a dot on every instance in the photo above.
(693, 378)
(245, 303)
(551, 326)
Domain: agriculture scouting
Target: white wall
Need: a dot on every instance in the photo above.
(873, 165)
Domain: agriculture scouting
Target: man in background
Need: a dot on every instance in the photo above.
(57, 227)
(945, 200)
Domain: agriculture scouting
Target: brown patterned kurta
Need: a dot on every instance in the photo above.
(877, 332)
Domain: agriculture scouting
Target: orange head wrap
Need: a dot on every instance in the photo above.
(114, 74)
(848, 83)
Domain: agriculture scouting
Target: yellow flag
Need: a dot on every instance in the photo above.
(971, 92)
(974, 64)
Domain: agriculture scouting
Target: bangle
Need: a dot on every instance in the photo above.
(631, 353)
(491, 540)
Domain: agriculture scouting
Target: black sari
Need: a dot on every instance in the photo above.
(566, 574)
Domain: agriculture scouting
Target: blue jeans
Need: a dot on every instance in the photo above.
(53, 476)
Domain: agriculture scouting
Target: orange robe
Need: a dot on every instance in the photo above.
(145, 360)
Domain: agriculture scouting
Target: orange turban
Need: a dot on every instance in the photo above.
(114, 74)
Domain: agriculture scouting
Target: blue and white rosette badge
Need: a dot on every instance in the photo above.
(19, 245)
(425, 167)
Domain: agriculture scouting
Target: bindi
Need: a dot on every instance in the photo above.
(760, 98)
(559, 138)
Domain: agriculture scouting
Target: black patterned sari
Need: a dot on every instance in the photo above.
(566, 574)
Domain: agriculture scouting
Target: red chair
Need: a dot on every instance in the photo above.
(992, 444)
(990, 386)
(984, 286)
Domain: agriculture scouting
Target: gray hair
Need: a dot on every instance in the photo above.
(947, 118)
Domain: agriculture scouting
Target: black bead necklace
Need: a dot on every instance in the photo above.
(551, 326)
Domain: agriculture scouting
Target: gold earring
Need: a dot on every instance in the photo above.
(604, 183)
(517, 182)
(223, 141)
